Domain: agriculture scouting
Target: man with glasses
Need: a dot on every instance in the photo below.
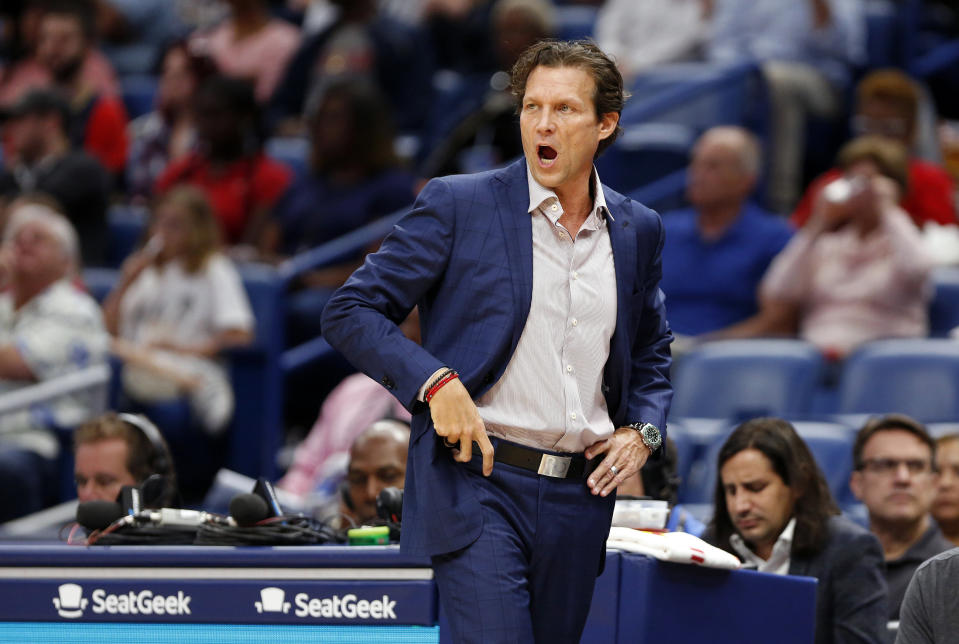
(895, 477)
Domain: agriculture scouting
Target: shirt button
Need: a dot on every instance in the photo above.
(554, 207)
(575, 322)
(575, 275)
(573, 415)
(569, 368)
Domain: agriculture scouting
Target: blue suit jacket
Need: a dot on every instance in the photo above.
(464, 254)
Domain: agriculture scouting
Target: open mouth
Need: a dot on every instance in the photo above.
(546, 154)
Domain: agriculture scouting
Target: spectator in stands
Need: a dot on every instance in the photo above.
(945, 507)
(114, 450)
(43, 161)
(460, 34)
(133, 33)
(229, 165)
(65, 45)
(33, 69)
(178, 306)
(48, 328)
(887, 104)
(857, 272)
(774, 511)
(357, 402)
(807, 50)
(354, 175)
(642, 35)
(716, 252)
(360, 43)
(894, 461)
(486, 134)
(659, 480)
(930, 611)
(168, 133)
(252, 45)
(377, 461)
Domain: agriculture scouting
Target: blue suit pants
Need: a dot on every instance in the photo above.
(529, 576)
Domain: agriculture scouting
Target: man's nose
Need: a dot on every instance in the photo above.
(545, 121)
(741, 504)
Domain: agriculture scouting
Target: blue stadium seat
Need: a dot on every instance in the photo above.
(671, 106)
(739, 379)
(944, 307)
(292, 151)
(575, 22)
(138, 93)
(125, 228)
(918, 377)
(100, 281)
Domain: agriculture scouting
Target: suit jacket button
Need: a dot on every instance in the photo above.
(488, 378)
(388, 382)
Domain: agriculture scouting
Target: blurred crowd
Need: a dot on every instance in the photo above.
(257, 130)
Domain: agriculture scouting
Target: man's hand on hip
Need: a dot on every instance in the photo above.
(625, 453)
(457, 420)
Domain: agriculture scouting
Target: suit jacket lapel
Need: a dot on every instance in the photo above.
(512, 200)
(622, 238)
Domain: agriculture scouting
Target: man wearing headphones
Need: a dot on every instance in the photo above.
(114, 450)
(377, 461)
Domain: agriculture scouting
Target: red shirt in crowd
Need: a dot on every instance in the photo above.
(930, 196)
(236, 191)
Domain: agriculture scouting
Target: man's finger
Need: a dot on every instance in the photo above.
(597, 448)
(487, 448)
(466, 448)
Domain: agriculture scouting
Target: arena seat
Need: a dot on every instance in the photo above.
(917, 377)
(944, 307)
(138, 92)
(739, 379)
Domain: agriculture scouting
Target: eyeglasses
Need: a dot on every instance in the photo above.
(885, 466)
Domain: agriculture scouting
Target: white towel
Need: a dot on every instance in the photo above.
(678, 547)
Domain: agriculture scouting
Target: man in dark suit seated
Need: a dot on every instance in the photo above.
(774, 511)
(895, 477)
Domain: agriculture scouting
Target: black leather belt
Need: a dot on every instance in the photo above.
(560, 466)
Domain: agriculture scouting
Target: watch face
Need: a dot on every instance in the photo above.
(651, 436)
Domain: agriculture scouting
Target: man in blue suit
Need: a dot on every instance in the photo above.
(545, 350)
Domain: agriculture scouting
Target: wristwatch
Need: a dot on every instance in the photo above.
(650, 435)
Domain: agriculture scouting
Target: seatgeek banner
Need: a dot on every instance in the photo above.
(369, 603)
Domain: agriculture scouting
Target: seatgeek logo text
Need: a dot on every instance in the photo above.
(71, 603)
(349, 606)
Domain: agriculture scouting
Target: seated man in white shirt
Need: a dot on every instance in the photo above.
(48, 328)
(773, 509)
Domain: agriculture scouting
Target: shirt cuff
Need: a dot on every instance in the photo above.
(421, 395)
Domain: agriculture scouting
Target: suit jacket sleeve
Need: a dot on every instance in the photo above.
(360, 320)
(650, 390)
(858, 592)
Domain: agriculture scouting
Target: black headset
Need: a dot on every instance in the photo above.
(158, 461)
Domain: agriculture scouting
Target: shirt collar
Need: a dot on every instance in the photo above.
(540, 196)
(785, 538)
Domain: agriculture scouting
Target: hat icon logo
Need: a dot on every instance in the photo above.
(271, 601)
(70, 602)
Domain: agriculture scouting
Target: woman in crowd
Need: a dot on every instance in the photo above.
(178, 306)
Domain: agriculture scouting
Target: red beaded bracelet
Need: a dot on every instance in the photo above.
(452, 375)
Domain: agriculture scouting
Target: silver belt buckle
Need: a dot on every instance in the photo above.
(555, 466)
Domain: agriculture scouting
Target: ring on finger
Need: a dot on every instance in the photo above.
(614, 470)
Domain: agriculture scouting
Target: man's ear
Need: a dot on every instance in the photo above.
(855, 484)
(607, 124)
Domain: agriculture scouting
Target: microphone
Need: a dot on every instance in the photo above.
(389, 504)
(130, 499)
(97, 515)
(249, 509)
